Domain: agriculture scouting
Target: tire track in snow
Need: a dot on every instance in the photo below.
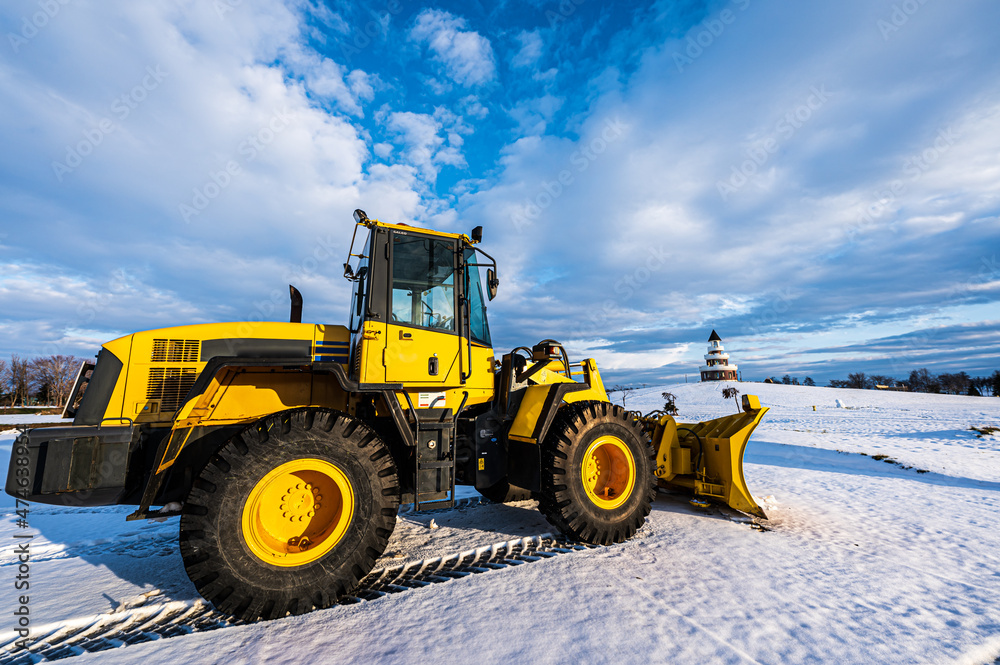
(628, 583)
(148, 623)
(153, 541)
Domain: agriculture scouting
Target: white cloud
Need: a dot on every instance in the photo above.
(466, 55)
(530, 52)
(534, 115)
(242, 91)
(473, 108)
(786, 229)
(429, 140)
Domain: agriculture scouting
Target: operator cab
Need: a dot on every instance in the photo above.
(418, 312)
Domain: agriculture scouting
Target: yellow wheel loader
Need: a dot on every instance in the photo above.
(286, 448)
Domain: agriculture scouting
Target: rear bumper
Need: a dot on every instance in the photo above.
(71, 466)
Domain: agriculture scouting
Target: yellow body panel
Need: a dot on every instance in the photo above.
(121, 348)
(161, 365)
(408, 351)
(533, 401)
(528, 414)
(372, 365)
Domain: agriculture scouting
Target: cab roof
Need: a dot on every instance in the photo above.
(419, 229)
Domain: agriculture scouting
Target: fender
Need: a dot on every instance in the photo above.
(217, 375)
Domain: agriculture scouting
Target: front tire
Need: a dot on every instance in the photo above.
(597, 473)
(289, 515)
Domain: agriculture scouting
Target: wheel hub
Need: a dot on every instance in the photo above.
(608, 472)
(297, 512)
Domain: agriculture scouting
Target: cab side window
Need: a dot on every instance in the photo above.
(479, 329)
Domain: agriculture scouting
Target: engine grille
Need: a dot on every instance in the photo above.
(170, 385)
(176, 351)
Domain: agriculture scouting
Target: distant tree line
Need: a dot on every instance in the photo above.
(922, 381)
(27, 381)
(791, 381)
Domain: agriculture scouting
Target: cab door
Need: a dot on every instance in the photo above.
(422, 341)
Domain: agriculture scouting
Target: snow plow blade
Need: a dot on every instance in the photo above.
(707, 457)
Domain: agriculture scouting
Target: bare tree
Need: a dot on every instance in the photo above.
(670, 404)
(20, 379)
(858, 380)
(955, 384)
(734, 393)
(4, 379)
(53, 377)
(626, 392)
(922, 381)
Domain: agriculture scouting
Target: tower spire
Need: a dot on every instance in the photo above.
(717, 367)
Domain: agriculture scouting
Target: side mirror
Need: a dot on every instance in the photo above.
(477, 234)
(492, 282)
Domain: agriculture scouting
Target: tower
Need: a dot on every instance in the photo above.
(717, 367)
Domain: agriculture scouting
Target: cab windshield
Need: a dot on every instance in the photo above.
(423, 282)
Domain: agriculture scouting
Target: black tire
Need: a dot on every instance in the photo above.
(216, 554)
(504, 492)
(563, 498)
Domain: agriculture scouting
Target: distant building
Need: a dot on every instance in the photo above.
(717, 367)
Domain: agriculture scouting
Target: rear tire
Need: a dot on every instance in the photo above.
(256, 539)
(597, 473)
(504, 492)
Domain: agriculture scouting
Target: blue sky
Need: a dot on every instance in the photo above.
(819, 182)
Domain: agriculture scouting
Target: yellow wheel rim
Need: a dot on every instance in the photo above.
(608, 472)
(298, 512)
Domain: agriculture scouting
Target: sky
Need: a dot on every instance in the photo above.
(818, 182)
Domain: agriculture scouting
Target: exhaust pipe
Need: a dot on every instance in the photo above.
(296, 314)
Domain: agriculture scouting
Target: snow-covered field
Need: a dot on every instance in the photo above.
(11, 420)
(864, 560)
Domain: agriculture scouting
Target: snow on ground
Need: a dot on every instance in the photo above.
(865, 560)
(9, 420)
